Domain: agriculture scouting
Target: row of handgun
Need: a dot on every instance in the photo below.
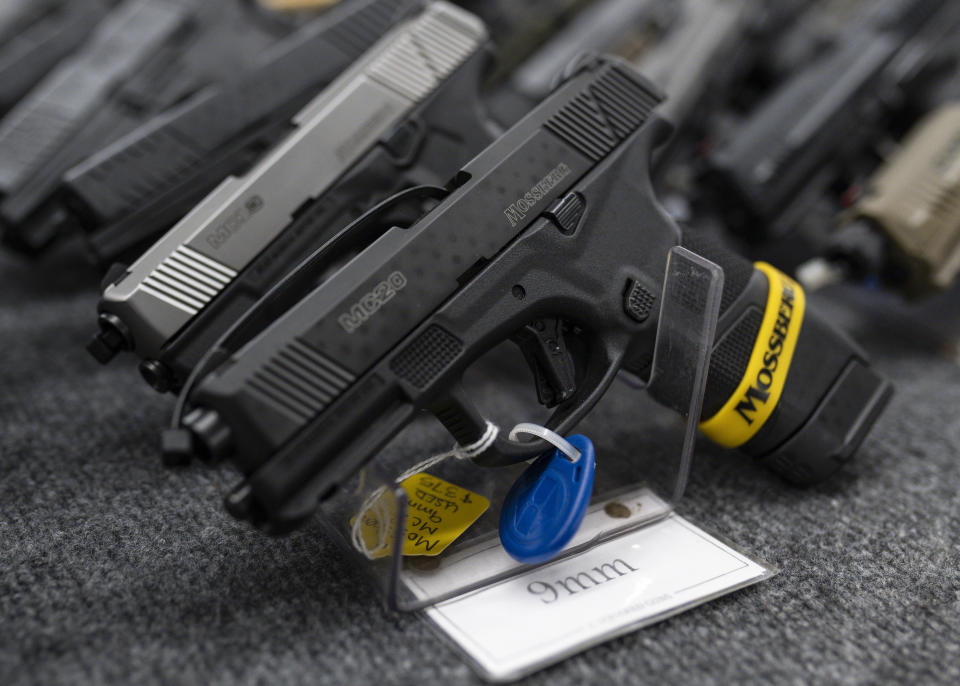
(311, 223)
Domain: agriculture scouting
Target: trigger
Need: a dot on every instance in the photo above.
(545, 349)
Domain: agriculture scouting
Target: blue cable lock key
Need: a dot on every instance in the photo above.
(546, 505)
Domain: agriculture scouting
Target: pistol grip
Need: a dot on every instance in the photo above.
(784, 386)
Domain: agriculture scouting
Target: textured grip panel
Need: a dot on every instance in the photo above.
(731, 355)
(639, 302)
(604, 114)
(426, 356)
(300, 380)
(133, 173)
(729, 360)
(737, 270)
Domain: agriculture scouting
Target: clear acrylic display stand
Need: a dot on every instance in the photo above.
(644, 436)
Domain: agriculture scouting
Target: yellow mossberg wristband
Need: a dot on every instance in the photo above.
(762, 384)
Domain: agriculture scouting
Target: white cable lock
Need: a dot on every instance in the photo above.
(555, 439)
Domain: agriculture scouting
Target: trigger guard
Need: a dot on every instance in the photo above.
(504, 452)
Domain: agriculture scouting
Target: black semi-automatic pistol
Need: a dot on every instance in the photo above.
(551, 237)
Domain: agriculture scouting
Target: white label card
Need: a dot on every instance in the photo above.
(517, 626)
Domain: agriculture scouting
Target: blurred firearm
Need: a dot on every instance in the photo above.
(35, 35)
(698, 51)
(127, 195)
(601, 27)
(786, 154)
(518, 29)
(144, 57)
(691, 48)
(906, 227)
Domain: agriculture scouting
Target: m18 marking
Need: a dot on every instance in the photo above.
(371, 302)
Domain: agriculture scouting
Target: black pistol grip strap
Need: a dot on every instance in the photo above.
(741, 313)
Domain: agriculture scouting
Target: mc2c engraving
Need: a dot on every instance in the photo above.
(370, 303)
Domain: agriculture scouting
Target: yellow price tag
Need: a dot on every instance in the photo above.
(438, 512)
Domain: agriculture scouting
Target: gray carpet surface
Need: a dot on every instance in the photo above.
(117, 570)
